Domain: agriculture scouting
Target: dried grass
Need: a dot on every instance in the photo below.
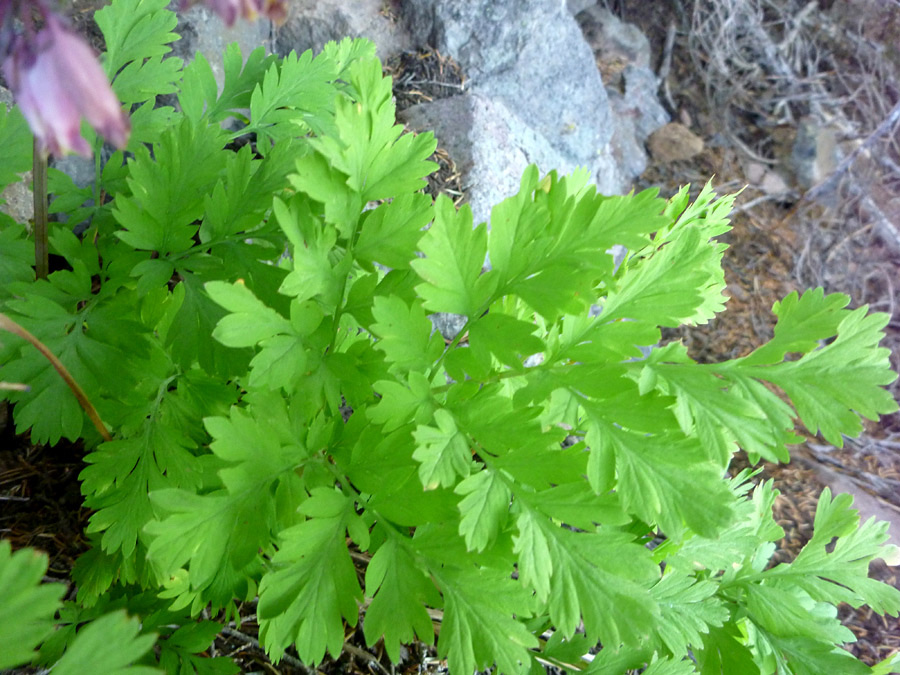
(752, 69)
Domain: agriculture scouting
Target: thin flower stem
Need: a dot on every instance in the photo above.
(11, 326)
(41, 239)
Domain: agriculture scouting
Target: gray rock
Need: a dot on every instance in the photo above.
(641, 86)
(203, 31)
(622, 54)
(575, 7)
(490, 145)
(80, 169)
(19, 201)
(448, 325)
(613, 40)
(637, 113)
(527, 60)
(312, 23)
(531, 55)
(767, 180)
(627, 151)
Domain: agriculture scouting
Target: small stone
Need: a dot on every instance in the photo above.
(448, 325)
(816, 152)
(773, 183)
(755, 172)
(19, 201)
(674, 142)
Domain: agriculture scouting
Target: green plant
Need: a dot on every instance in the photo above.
(251, 322)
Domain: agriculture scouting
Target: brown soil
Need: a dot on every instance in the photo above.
(819, 235)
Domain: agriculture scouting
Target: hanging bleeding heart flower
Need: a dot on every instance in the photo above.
(230, 10)
(57, 80)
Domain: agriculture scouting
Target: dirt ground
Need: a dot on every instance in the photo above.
(833, 65)
(840, 232)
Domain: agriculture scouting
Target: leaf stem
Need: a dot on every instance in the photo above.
(450, 347)
(11, 326)
(507, 374)
(339, 310)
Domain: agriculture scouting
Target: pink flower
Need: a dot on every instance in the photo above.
(229, 10)
(56, 80)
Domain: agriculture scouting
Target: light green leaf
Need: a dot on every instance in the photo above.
(120, 474)
(510, 340)
(294, 95)
(478, 629)
(442, 451)
(101, 344)
(679, 279)
(138, 34)
(805, 656)
(16, 141)
(168, 188)
(451, 270)
(280, 363)
(840, 574)
(399, 589)
(402, 403)
(791, 613)
(600, 578)
(667, 666)
(194, 316)
(662, 480)
(311, 586)
(576, 504)
(28, 607)
(241, 78)
(250, 321)
(211, 533)
(484, 508)
(748, 539)
(688, 609)
(378, 162)
(390, 233)
(199, 89)
(533, 550)
(549, 243)
(832, 386)
(803, 320)
(723, 411)
(110, 644)
(408, 339)
(888, 666)
(724, 652)
(135, 30)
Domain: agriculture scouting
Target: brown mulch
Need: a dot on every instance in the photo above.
(792, 242)
(40, 499)
(423, 76)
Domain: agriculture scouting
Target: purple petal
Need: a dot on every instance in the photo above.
(56, 81)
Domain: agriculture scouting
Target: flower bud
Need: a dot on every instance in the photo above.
(56, 80)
